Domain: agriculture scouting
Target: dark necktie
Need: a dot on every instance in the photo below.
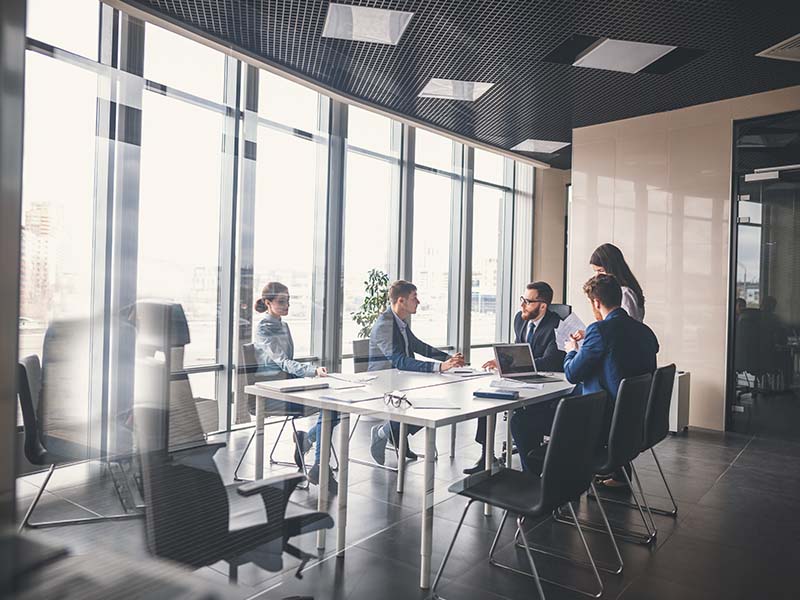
(531, 329)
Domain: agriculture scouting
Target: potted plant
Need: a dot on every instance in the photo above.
(375, 301)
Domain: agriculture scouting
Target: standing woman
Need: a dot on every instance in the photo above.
(608, 259)
(275, 351)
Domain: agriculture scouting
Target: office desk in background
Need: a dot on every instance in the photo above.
(420, 387)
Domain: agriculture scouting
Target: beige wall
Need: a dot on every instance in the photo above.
(658, 187)
(549, 208)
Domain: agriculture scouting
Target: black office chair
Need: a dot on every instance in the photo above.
(562, 310)
(32, 399)
(273, 408)
(656, 428)
(567, 474)
(625, 442)
(189, 511)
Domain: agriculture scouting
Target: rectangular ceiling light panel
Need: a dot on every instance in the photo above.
(545, 146)
(621, 55)
(453, 89)
(362, 24)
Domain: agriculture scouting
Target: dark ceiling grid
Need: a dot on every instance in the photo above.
(504, 42)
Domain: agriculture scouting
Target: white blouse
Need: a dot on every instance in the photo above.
(631, 305)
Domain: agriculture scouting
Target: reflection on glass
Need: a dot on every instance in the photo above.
(58, 197)
(191, 67)
(486, 227)
(748, 265)
(431, 255)
(179, 208)
(47, 22)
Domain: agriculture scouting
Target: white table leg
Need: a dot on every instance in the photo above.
(324, 472)
(401, 445)
(344, 456)
(509, 439)
(453, 440)
(489, 458)
(260, 402)
(426, 538)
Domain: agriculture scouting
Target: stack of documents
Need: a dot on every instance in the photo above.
(510, 384)
(566, 328)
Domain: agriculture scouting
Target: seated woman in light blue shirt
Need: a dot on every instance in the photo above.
(275, 352)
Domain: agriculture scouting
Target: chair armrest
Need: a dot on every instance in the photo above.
(289, 480)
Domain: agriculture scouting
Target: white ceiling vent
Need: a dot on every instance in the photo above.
(785, 50)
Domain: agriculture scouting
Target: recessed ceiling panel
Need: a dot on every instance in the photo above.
(363, 24)
(455, 90)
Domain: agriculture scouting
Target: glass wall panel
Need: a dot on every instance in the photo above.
(489, 167)
(179, 215)
(487, 227)
(71, 25)
(431, 254)
(434, 150)
(287, 103)
(372, 187)
(178, 62)
(290, 189)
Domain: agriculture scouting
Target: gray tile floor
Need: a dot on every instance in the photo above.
(737, 534)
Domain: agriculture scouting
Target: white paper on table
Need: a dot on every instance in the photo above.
(566, 328)
(339, 384)
(353, 378)
(507, 384)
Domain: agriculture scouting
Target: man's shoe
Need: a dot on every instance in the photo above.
(313, 477)
(476, 468)
(302, 446)
(377, 446)
(481, 466)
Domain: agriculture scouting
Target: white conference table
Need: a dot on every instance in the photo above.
(420, 388)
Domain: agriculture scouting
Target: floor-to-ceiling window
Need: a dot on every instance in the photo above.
(437, 189)
(290, 193)
(372, 175)
(180, 191)
(491, 193)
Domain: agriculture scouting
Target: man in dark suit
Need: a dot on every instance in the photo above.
(392, 345)
(534, 324)
(614, 348)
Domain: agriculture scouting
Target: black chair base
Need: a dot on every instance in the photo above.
(658, 511)
(626, 534)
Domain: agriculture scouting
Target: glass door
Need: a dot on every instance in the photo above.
(764, 390)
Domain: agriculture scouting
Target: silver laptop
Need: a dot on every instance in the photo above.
(515, 361)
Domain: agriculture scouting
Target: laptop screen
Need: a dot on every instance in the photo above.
(514, 359)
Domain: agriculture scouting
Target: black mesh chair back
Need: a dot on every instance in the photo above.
(29, 385)
(656, 420)
(748, 356)
(180, 498)
(627, 422)
(568, 463)
(562, 310)
(360, 355)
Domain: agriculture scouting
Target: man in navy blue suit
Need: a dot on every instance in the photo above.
(392, 345)
(535, 325)
(614, 347)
